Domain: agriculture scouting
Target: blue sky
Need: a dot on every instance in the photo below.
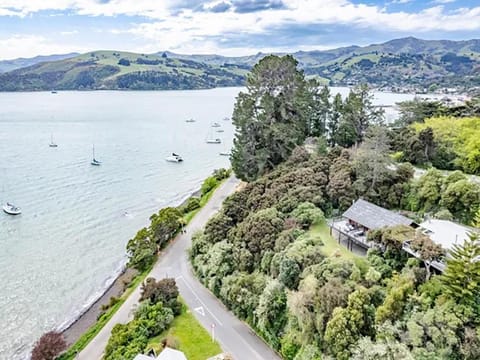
(228, 27)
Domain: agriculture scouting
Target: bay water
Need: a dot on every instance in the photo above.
(68, 245)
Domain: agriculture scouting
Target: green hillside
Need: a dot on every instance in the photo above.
(401, 63)
(121, 71)
(407, 63)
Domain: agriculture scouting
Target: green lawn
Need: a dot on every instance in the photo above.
(192, 338)
(331, 245)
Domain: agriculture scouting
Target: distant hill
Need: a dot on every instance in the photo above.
(122, 71)
(407, 63)
(9, 65)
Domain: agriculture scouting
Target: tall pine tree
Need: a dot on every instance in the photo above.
(271, 117)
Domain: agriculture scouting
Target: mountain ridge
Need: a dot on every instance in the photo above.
(406, 63)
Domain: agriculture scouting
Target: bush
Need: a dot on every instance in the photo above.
(49, 346)
(124, 62)
(208, 185)
(192, 203)
(221, 174)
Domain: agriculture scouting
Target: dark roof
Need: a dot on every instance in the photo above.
(372, 216)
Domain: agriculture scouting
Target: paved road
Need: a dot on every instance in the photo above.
(233, 335)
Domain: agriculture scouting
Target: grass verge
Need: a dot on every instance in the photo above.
(83, 341)
(195, 342)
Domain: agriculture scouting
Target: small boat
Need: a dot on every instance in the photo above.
(214, 141)
(11, 209)
(220, 130)
(54, 91)
(94, 161)
(174, 158)
(215, 124)
(190, 120)
(52, 143)
(225, 153)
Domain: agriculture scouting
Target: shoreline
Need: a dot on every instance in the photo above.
(88, 317)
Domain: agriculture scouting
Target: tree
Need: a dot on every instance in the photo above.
(462, 199)
(141, 250)
(124, 62)
(417, 110)
(334, 120)
(371, 162)
(359, 112)
(270, 313)
(461, 277)
(367, 349)
(427, 250)
(165, 225)
(321, 109)
(348, 324)
(306, 214)
(271, 117)
(164, 291)
(339, 186)
(49, 346)
(426, 139)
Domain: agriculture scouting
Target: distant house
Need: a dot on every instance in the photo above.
(166, 354)
(363, 216)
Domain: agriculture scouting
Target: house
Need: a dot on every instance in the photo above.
(166, 354)
(171, 354)
(363, 216)
(444, 233)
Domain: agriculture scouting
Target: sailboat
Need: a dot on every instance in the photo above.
(94, 161)
(212, 140)
(52, 144)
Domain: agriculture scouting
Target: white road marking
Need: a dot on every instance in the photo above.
(200, 310)
(199, 300)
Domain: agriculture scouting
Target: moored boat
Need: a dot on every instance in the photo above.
(11, 209)
(174, 158)
(215, 124)
(94, 161)
(214, 141)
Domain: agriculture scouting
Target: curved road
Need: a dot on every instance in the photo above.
(233, 335)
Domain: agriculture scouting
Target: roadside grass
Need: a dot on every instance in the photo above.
(192, 338)
(85, 339)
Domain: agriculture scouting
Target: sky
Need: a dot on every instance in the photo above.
(227, 27)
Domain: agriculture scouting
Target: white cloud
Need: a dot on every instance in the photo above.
(68, 33)
(17, 46)
(192, 31)
(187, 30)
(443, 1)
(401, 1)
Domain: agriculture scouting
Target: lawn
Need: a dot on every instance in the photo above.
(192, 338)
(331, 245)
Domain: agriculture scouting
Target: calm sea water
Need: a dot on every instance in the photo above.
(69, 242)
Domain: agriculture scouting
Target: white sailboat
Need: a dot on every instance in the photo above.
(211, 139)
(94, 161)
(52, 143)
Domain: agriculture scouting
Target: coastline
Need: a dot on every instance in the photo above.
(88, 317)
